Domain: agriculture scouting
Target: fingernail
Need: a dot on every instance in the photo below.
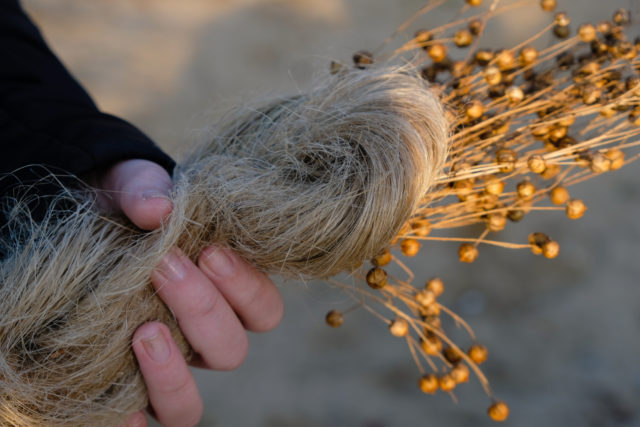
(173, 266)
(218, 262)
(136, 420)
(156, 346)
(154, 193)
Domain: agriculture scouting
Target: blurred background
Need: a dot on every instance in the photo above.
(563, 334)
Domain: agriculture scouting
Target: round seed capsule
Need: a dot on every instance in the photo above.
(410, 247)
(436, 285)
(377, 278)
(460, 373)
(557, 133)
(536, 164)
(536, 240)
(505, 60)
(425, 297)
(514, 94)
(506, 159)
(421, 227)
(474, 110)
(446, 382)
(467, 253)
(437, 52)
(587, 33)
(399, 327)
(526, 189)
(621, 17)
(423, 36)
(463, 38)
(478, 353)
(432, 310)
(492, 76)
(334, 318)
(474, 3)
(599, 163)
(550, 249)
(551, 171)
(475, 27)
(382, 259)
(498, 411)
(429, 383)
(617, 158)
(516, 215)
(483, 57)
(494, 186)
(562, 19)
(452, 355)
(496, 221)
(562, 32)
(528, 55)
(575, 208)
(432, 345)
(362, 59)
(559, 195)
(548, 5)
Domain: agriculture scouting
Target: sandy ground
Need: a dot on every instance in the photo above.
(563, 334)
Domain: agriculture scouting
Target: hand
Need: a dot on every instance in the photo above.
(214, 301)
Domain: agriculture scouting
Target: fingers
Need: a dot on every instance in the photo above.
(206, 319)
(173, 393)
(251, 293)
(140, 189)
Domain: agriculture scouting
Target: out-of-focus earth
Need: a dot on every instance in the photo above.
(563, 334)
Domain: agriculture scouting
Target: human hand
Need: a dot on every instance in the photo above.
(213, 301)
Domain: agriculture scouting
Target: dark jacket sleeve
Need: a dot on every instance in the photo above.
(48, 119)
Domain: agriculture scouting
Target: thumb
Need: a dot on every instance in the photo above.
(140, 190)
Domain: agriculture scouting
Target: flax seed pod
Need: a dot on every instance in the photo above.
(377, 278)
(399, 327)
(559, 195)
(467, 253)
(429, 383)
(446, 382)
(436, 286)
(478, 353)
(616, 156)
(536, 164)
(421, 227)
(575, 208)
(410, 247)
(334, 318)
(460, 373)
(432, 345)
(498, 411)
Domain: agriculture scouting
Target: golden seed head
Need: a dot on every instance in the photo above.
(432, 346)
(467, 253)
(537, 240)
(575, 208)
(436, 285)
(492, 76)
(600, 163)
(587, 33)
(557, 133)
(506, 158)
(452, 355)
(446, 382)
(475, 27)
(425, 297)
(463, 38)
(474, 110)
(382, 259)
(616, 156)
(528, 55)
(559, 195)
(604, 27)
(536, 164)
(526, 189)
(494, 186)
(334, 318)
(377, 278)
(430, 310)
(410, 247)
(498, 411)
(399, 327)
(421, 227)
(515, 94)
(548, 5)
(474, 3)
(429, 383)
(561, 32)
(505, 60)
(478, 353)
(460, 373)
(496, 221)
(516, 215)
(551, 171)
(483, 57)
(422, 36)
(550, 249)
(567, 121)
(437, 52)
(434, 322)
(562, 19)
(621, 17)
(591, 94)
(362, 59)
(540, 132)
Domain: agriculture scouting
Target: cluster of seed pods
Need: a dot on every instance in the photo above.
(527, 124)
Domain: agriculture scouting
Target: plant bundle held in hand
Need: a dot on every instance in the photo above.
(365, 166)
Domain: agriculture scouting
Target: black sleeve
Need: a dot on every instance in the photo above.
(47, 118)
